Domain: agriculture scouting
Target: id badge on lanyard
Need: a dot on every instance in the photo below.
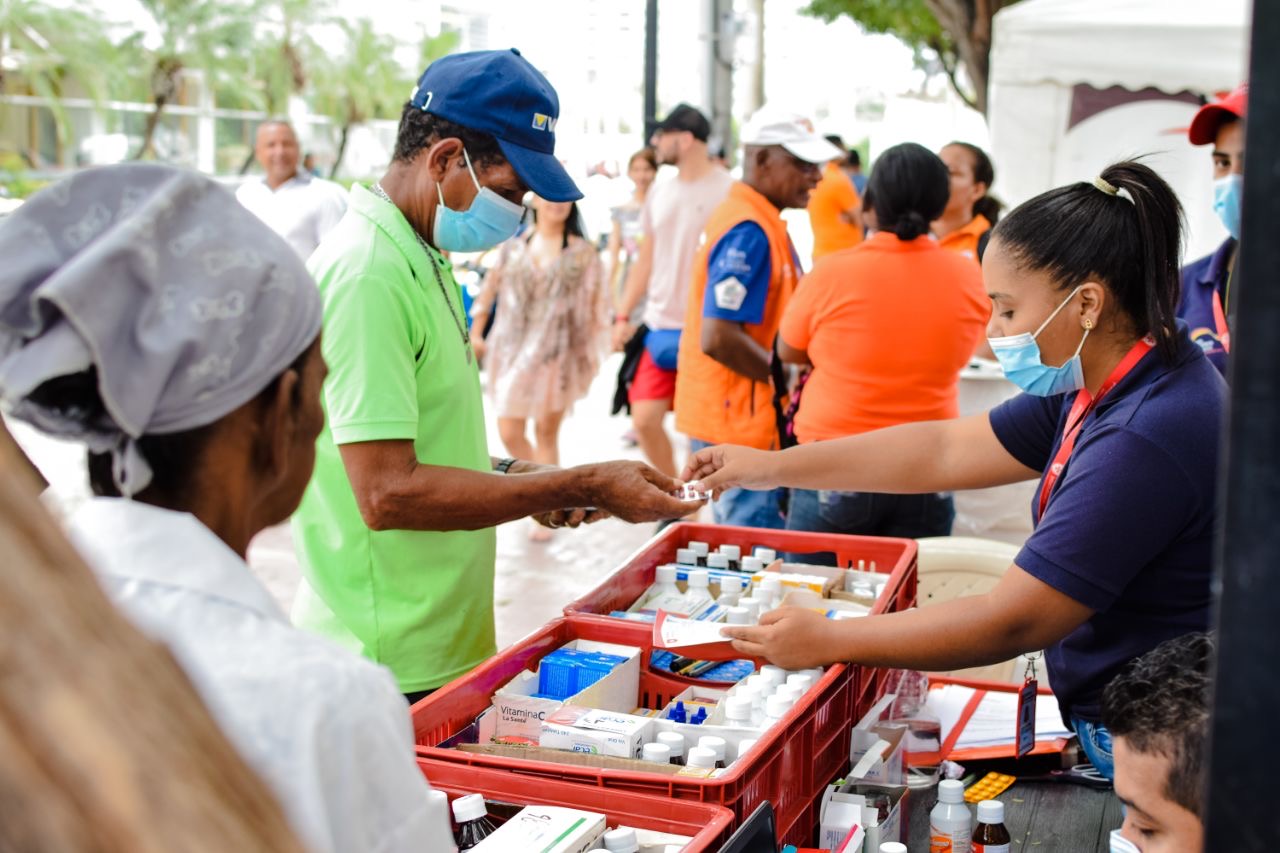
(1026, 733)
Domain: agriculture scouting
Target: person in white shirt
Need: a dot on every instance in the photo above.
(186, 357)
(299, 207)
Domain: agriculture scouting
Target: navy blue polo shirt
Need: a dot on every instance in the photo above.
(739, 272)
(1128, 531)
(1200, 280)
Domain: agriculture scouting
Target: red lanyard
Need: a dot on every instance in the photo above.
(1080, 409)
(1220, 321)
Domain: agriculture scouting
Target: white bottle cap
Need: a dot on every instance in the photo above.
(950, 791)
(776, 707)
(751, 565)
(699, 578)
(794, 694)
(686, 556)
(771, 583)
(673, 741)
(700, 757)
(753, 607)
(768, 555)
(799, 679)
(621, 840)
(718, 561)
(469, 807)
(738, 615)
(732, 583)
(990, 811)
(815, 673)
(699, 548)
(737, 709)
(775, 675)
(732, 552)
(744, 747)
(761, 684)
(893, 847)
(714, 744)
(728, 598)
(658, 753)
(750, 693)
(666, 574)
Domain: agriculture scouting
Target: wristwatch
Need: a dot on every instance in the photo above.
(504, 467)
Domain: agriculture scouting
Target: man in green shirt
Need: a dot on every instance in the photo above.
(395, 532)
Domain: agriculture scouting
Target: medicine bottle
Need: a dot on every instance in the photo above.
(775, 675)
(698, 595)
(744, 747)
(656, 753)
(768, 555)
(733, 553)
(775, 708)
(751, 565)
(472, 815)
(686, 557)
(754, 606)
(990, 836)
(621, 840)
(717, 746)
(701, 549)
(738, 711)
(893, 847)
(701, 758)
(737, 616)
(950, 823)
(718, 562)
(674, 741)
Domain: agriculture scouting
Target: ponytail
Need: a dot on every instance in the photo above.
(1129, 240)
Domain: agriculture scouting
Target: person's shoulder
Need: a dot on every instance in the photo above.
(250, 188)
(1196, 271)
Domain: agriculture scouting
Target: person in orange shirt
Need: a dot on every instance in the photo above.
(886, 328)
(971, 212)
(835, 212)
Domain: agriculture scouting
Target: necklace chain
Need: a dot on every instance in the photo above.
(463, 331)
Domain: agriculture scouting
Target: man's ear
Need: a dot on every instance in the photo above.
(440, 156)
(277, 425)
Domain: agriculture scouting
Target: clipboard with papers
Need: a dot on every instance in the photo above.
(979, 721)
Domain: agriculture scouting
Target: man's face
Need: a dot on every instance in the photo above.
(1228, 150)
(459, 190)
(668, 144)
(788, 179)
(1152, 821)
(276, 150)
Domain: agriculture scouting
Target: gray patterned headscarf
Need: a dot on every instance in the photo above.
(186, 303)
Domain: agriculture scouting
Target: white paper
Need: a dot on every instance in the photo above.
(994, 722)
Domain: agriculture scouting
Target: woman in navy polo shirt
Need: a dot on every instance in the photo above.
(1120, 423)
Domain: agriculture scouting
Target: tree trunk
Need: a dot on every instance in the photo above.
(342, 150)
(104, 744)
(969, 24)
(148, 134)
(248, 161)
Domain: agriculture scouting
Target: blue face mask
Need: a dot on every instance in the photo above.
(1019, 357)
(1226, 202)
(487, 222)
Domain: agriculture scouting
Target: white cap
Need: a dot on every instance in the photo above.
(658, 753)
(729, 598)
(893, 847)
(686, 556)
(738, 708)
(771, 583)
(750, 693)
(700, 757)
(700, 548)
(699, 578)
(744, 746)
(753, 606)
(733, 552)
(469, 807)
(738, 616)
(673, 741)
(793, 693)
(666, 574)
(718, 561)
(990, 811)
(815, 673)
(766, 554)
(950, 791)
(775, 675)
(799, 679)
(752, 564)
(713, 743)
(793, 132)
(777, 706)
(621, 840)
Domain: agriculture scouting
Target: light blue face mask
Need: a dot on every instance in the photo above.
(1226, 202)
(1019, 357)
(487, 222)
(1120, 844)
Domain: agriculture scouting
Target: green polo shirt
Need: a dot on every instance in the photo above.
(419, 602)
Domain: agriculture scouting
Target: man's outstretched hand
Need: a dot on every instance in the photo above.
(635, 492)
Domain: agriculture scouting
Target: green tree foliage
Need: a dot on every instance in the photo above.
(958, 32)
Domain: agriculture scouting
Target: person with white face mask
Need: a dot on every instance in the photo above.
(1120, 423)
(395, 531)
(1206, 283)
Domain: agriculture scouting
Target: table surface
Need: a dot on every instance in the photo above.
(1040, 817)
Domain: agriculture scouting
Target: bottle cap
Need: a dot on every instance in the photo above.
(686, 556)
(950, 791)
(713, 743)
(673, 741)
(751, 565)
(753, 607)
(469, 807)
(699, 548)
(768, 555)
(815, 673)
(799, 679)
(990, 811)
(771, 583)
(750, 693)
(718, 561)
(738, 708)
(794, 694)
(666, 574)
(621, 840)
(728, 598)
(731, 552)
(658, 753)
(777, 706)
(775, 675)
(893, 847)
(701, 757)
(744, 746)
(738, 615)
(699, 578)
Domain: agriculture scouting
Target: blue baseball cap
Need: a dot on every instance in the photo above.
(498, 92)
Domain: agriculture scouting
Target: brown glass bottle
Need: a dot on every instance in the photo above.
(990, 835)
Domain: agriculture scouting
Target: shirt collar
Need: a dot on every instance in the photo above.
(1217, 269)
(388, 218)
(300, 178)
(129, 540)
(1152, 366)
(752, 196)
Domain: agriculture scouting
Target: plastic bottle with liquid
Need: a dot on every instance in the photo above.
(754, 607)
(775, 675)
(991, 836)
(701, 758)
(717, 746)
(701, 550)
(768, 555)
(775, 708)
(664, 594)
(950, 822)
(686, 557)
(674, 741)
(733, 554)
(698, 596)
(656, 753)
(751, 565)
(717, 561)
(801, 681)
(770, 592)
(737, 711)
(621, 840)
(730, 592)
(472, 814)
(737, 616)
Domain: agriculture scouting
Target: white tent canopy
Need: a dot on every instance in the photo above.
(1044, 51)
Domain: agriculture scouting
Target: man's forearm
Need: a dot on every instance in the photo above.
(738, 351)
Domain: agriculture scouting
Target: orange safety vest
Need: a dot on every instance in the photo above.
(713, 403)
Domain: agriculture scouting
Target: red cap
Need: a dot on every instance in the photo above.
(1204, 127)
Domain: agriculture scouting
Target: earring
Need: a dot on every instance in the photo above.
(1088, 324)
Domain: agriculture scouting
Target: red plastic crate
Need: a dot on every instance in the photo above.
(790, 765)
(708, 826)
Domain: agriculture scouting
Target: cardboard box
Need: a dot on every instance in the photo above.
(572, 759)
(546, 829)
(877, 809)
(592, 730)
(877, 752)
(518, 713)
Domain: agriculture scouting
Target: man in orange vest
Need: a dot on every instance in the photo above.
(743, 275)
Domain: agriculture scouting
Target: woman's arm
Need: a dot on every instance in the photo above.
(791, 355)
(933, 456)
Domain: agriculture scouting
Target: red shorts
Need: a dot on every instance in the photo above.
(652, 382)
